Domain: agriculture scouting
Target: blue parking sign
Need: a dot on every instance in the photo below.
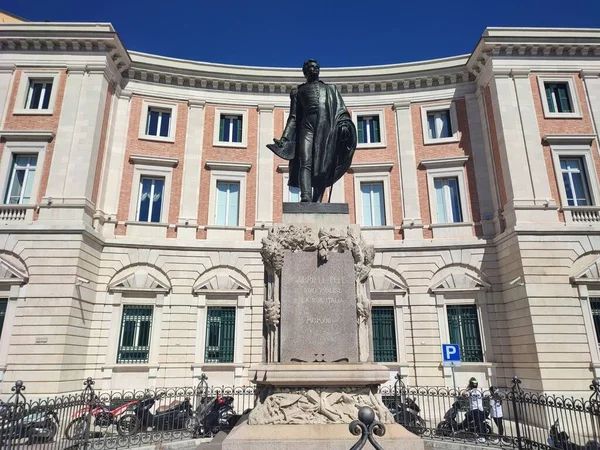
(451, 355)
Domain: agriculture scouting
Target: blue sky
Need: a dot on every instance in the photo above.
(284, 34)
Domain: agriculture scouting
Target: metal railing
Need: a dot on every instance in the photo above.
(530, 420)
(97, 420)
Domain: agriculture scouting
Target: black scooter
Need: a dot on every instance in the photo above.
(37, 426)
(451, 427)
(560, 439)
(407, 414)
(140, 418)
(217, 415)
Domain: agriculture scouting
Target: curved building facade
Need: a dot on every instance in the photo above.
(136, 190)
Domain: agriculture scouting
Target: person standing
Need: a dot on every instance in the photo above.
(475, 414)
(496, 409)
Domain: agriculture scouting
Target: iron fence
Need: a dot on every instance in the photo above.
(112, 420)
(530, 420)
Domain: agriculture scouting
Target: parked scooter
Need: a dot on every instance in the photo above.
(103, 416)
(451, 427)
(407, 414)
(217, 415)
(140, 418)
(38, 426)
(560, 439)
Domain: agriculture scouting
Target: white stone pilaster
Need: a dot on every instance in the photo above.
(492, 180)
(264, 184)
(411, 212)
(110, 183)
(190, 189)
(6, 82)
(591, 83)
(531, 139)
(487, 205)
(87, 133)
(521, 204)
(65, 134)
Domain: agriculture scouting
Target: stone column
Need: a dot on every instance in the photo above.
(591, 83)
(200, 335)
(411, 212)
(484, 182)
(238, 355)
(6, 82)
(110, 183)
(264, 185)
(190, 192)
(400, 301)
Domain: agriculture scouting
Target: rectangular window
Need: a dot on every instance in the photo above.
(38, 95)
(21, 179)
(293, 194)
(158, 122)
(150, 199)
(220, 335)
(3, 306)
(134, 342)
(447, 200)
(230, 128)
(368, 130)
(558, 97)
(384, 334)
(228, 194)
(439, 125)
(575, 181)
(373, 204)
(463, 326)
(595, 304)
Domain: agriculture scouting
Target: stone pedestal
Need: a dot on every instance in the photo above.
(318, 370)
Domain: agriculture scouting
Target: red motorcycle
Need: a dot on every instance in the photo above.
(103, 416)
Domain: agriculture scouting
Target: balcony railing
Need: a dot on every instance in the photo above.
(583, 214)
(13, 213)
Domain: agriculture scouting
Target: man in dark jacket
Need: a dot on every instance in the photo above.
(319, 138)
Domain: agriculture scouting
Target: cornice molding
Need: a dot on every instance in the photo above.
(225, 165)
(26, 135)
(372, 167)
(457, 161)
(154, 160)
(569, 139)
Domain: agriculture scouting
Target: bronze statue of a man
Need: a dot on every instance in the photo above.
(319, 138)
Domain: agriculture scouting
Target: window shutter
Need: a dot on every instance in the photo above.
(227, 335)
(221, 212)
(360, 131)
(366, 204)
(3, 306)
(234, 194)
(384, 334)
(431, 125)
(222, 129)
(563, 98)
(455, 199)
(46, 99)
(376, 134)
(239, 129)
(438, 185)
(378, 205)
(549, 98)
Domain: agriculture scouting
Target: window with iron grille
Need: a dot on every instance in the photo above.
(463, 326)
(134, 342)
(3, 305)
(595, 304)
(220, 335)
(384, 334)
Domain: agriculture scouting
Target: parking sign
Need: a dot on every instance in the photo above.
(451, 355)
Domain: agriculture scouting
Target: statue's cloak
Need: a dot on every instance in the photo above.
(332, 155)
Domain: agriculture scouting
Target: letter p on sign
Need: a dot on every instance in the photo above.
(451, 354)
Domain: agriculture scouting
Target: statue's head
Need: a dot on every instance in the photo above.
(311, 69)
